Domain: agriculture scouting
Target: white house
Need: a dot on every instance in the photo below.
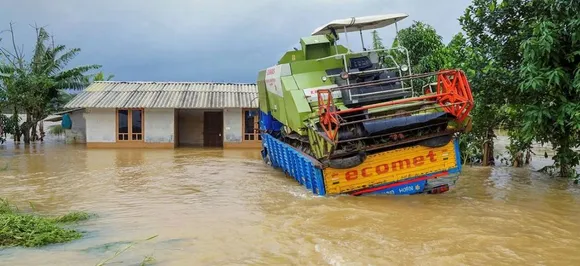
(165, 114)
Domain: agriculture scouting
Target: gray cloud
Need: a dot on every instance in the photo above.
(218, 40)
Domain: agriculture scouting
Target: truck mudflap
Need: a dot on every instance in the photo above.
(405, 171)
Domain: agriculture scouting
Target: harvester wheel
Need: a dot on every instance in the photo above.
(347, 162)
(436, 141)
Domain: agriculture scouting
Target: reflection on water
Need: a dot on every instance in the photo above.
(215, 207)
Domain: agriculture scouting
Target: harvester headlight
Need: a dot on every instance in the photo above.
(324, 78)
(404, 68)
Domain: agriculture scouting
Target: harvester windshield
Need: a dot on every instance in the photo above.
(367, 65)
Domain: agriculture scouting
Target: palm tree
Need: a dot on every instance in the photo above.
(36, 85)
(100, 76)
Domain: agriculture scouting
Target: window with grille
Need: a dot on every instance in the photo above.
(251, 125)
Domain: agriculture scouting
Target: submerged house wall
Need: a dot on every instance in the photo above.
(233, 125)
(100, 125)
(156, 126)
(236, 133)
(77, 132)
(167, 114)
(159, 125)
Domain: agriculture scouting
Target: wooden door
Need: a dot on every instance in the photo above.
(213, 123)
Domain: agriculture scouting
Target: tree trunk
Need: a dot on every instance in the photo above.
(33, 135)
(16, 129)
(41, 128)
(17, 135)
(26, 133)
(488, 157)
(26, 126)
(2, 134)
(563, 153)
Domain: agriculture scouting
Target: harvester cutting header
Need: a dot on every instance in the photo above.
(340, 121)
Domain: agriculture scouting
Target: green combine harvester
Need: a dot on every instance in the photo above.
(345, 122)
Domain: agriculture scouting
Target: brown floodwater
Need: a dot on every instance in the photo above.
(225, 207)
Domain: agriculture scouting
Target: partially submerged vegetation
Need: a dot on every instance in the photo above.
(29, 230)
(56, 130)
(147, 260)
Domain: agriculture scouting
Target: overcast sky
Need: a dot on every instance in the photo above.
(190, 40)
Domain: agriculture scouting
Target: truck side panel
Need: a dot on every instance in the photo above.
(391, 166)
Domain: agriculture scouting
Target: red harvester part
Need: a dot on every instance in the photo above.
(327, 113)
(455, 92)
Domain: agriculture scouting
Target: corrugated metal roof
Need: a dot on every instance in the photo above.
(119, 94)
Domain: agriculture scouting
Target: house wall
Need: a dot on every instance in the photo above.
(77, 133)
(100, 125)
(101, 129)
(159, 125)
(233, 130)
(163, 128)
(233, 125)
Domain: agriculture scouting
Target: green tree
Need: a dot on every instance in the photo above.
(425, 47)
(35, 84)
(550, 87)
(377, 41)
(494, 33)
(100, 76)
(458, 54)
(425, 52)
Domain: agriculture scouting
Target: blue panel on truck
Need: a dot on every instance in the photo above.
(299, 166)
(405, 189)
(268, 122)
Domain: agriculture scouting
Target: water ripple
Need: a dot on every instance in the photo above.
(227, 207)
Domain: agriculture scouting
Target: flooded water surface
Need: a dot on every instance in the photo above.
(225, 207)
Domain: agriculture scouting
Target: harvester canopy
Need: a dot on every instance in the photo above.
(360, 23)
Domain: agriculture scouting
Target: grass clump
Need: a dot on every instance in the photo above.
(28, 230)
(56, 130)
(72, 217)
